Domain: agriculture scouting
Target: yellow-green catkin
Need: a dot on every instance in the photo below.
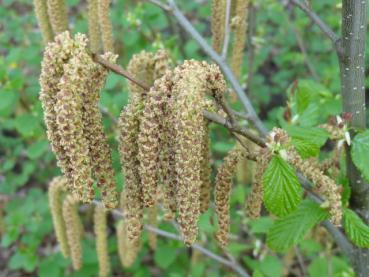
(99, 150)
(100, 229)
(69, 119)
(218, 10)
(94, 34)
(56, 54)
(72, 221)
(141, 67)
(223, 187)
(106, 28)
(255, 199)
(127, 252)
(239, 24)
(43, 20)
(56, 189)
(57, 15)
(152, 219)
(192, 80)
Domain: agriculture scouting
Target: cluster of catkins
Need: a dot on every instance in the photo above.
(70, 86)
(164, 141)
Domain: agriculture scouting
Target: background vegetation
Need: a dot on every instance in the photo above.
(283, 47)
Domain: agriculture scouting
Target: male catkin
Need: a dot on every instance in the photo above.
(218, 10)
(127, 251)
(43, 20)
(56, 189)
(223, 186)
(153, 221)
(100, 229)
(106, 28)
(72, 220)
(57, 15)
(94, 34)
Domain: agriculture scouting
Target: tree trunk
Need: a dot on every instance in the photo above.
(352, 66)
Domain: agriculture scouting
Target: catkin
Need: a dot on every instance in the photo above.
(100, 229)
(73, 223)
(93, 26)
(106, 28)
(69, 120)
(99, 150)
(57, 15)
(52, 69)
(218, 10)
(239, 24)
(255, 199)
(152, 221)
(205, 173)
(43, 20)
(56, 188)
(192, 81)
(223, 186)
(127, 252)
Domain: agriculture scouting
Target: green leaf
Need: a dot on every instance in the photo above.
(36, 149)
(355, 228)
(314, 135)
(261, 225)
(305, 148)
(165, 255)
(282, 189)
(27, 125)
(291, 229)
(359, 152)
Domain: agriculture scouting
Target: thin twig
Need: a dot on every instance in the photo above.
(336, 41)
(227, 30)
(229, 263)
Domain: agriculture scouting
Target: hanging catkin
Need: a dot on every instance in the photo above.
(56, 189)
(69, 120)
(255, 199)
(239, 24)
(106, 28)
(99, 150)
(100, 229)
(127, 252)
(223, 186)
(73, 223)
(192, 81)
(218, 10)
(52, 69)
(43, 20)
(94, 34)
(141, 67)
(57, 15)
(152, 221)
(205, 173)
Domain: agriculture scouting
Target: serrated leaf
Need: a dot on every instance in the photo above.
(282, 189)
(305, 148)
(314, 135)
(359, 153)
(355, 228)
(291, 229)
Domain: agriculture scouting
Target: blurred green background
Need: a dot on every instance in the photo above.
(28, 246)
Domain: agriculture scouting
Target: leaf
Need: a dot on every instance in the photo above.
(305, 148)
(355, 228)
(359, 153)
(261, 225)
(165, 255)
(282, 189)
(314, 135)
(291, 229)
(36, 149)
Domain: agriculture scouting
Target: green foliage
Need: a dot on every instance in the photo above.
(355, 228)
(291, 229)
(359, 152)
(282, 189)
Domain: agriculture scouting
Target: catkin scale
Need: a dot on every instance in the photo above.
(223, 186)
(72, 220)
(57, 15)
(100, 229)
(106, 28)
(239, 24)
(43, 20)
(56, 188)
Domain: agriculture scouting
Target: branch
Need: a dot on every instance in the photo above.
(227, 30)
(336, 41)
(232, 264)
